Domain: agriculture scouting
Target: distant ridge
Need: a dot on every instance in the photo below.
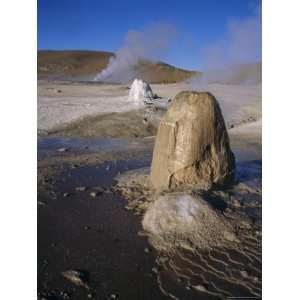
(86, 64)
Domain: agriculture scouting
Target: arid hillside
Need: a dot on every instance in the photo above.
(85, 64)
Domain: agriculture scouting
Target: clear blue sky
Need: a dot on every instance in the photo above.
(102, 25)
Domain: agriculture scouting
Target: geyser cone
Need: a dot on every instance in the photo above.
(192, 145)
(140, 92)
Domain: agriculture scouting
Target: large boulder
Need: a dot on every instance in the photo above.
(186, 220)
(140, 92)
(192, 145)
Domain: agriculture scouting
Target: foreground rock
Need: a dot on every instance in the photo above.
(141, 92)
(186, 220)
(192, 145)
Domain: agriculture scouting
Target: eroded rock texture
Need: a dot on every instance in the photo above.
(192, 145)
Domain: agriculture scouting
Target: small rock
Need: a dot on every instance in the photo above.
(89, 295)
(146, 250)
(66, 194)
(87, 227)
(145, 120)
(64, 295)
(162, 259)
(63, 149)
(94, 194)
(81, 188)
(236, 203)
(113, 296)
(42, 203)
(244, 274)
(199, 288)
(107, 168)
(77, 277)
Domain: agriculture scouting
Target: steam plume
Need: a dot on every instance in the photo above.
(230, 60)
(151, 43)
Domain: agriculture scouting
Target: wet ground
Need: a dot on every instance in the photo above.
(83, 224)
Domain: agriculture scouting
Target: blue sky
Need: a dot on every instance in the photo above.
(102, 25)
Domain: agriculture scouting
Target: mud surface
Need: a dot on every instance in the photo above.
(95, 234)
(85, 224)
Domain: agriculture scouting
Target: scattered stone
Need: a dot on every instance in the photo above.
(90, 295)
(162, 259)
(47, 296)
(107, 168)
(63, 149)
(66, 194)
(199, 288)
(94, 194)
(244, 273)
(192, 145)
(64, 295)
(236, 203)
(42, 203)
(113, 296)
(258, 233)
(87, 227)
(81, 188)
(79, 278)
(146, 250)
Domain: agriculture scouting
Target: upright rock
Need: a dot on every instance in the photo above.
(140, 92)
(192, 145)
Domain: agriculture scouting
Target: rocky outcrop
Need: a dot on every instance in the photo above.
(192, 145)
(186, 220)
(140, 92)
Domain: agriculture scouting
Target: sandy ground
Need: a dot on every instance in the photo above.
(99, 234)
(61, 103)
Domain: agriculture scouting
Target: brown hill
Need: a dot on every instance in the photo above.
(85, 64)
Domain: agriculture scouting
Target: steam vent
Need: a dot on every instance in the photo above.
(192, 145)
(140, 92)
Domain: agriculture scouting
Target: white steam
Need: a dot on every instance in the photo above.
(151, 44)
(237, 57)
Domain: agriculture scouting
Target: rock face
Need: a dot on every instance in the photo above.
(140, 92)
(186, 220)
(192, 145)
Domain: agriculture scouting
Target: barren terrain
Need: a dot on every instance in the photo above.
(90, 137)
